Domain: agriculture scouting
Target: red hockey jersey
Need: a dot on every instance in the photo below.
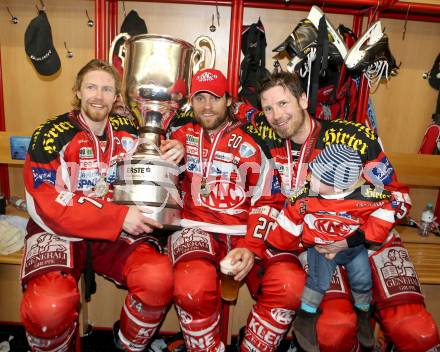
(60, 172)
(236, 172)
(316, 219)
(290, 160)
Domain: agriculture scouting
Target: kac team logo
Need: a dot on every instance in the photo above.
(224, 195)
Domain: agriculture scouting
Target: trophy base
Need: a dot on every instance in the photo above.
(150, 182)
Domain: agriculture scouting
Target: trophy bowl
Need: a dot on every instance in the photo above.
(157, 73)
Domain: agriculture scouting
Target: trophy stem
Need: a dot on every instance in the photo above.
(149, 140)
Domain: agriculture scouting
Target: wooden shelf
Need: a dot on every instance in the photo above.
(420, 170)
(410, 235)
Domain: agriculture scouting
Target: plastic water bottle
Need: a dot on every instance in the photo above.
(426, 220)
(18, 202)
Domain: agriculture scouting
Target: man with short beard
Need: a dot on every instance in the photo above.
(221, 187)
(75, 227)
(400, 310)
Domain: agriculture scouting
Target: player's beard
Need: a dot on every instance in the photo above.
(213, 124)
(95, 114)
(294, 126)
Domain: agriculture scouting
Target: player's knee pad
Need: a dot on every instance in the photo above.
(50, 304)
(283, 283)
(410, 327)
(196, 281)
(336, 326)
(149, 276)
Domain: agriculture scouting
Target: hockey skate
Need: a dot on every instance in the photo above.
(299, 42)
(335, 39)
(359, 52)
(300, 45)
(371, 55)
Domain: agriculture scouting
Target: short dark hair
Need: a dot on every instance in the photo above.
(94, 65)
(283, 79)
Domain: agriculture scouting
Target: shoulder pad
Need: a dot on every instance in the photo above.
(182, 117)
(122, 123)
(50, 137)
(262, 131)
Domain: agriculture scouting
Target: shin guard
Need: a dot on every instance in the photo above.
(138, 323)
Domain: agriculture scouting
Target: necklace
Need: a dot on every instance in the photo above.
(301, 166)
(204, 187)
(102, 186)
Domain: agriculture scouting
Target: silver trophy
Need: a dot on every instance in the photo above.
(157, 73)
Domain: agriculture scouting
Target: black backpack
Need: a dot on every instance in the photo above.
(253, 65)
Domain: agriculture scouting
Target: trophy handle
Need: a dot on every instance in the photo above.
(121, 53)
(200, 53)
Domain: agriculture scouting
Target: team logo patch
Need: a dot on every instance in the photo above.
(44, 250)
(86, 153)
(224, 196)
(42, 175)
(382, 172)
(206, 77)
(332, 226)
(396, 272)
(282, 316)
(189, 241)
(127, 143)
(246, 150)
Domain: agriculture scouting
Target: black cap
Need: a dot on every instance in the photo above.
(39, 47)
(133, 24)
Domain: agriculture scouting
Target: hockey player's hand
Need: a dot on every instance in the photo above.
(136, 222)
(330, 256)
(333, 248)
(244, 259)
(172, 150)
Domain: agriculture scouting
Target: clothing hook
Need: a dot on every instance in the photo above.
(212, 27)
(69, 54)
(375, 11)
(406, 22)
(123, 9)
(217, 13)
(14, 19)
(90, 22)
